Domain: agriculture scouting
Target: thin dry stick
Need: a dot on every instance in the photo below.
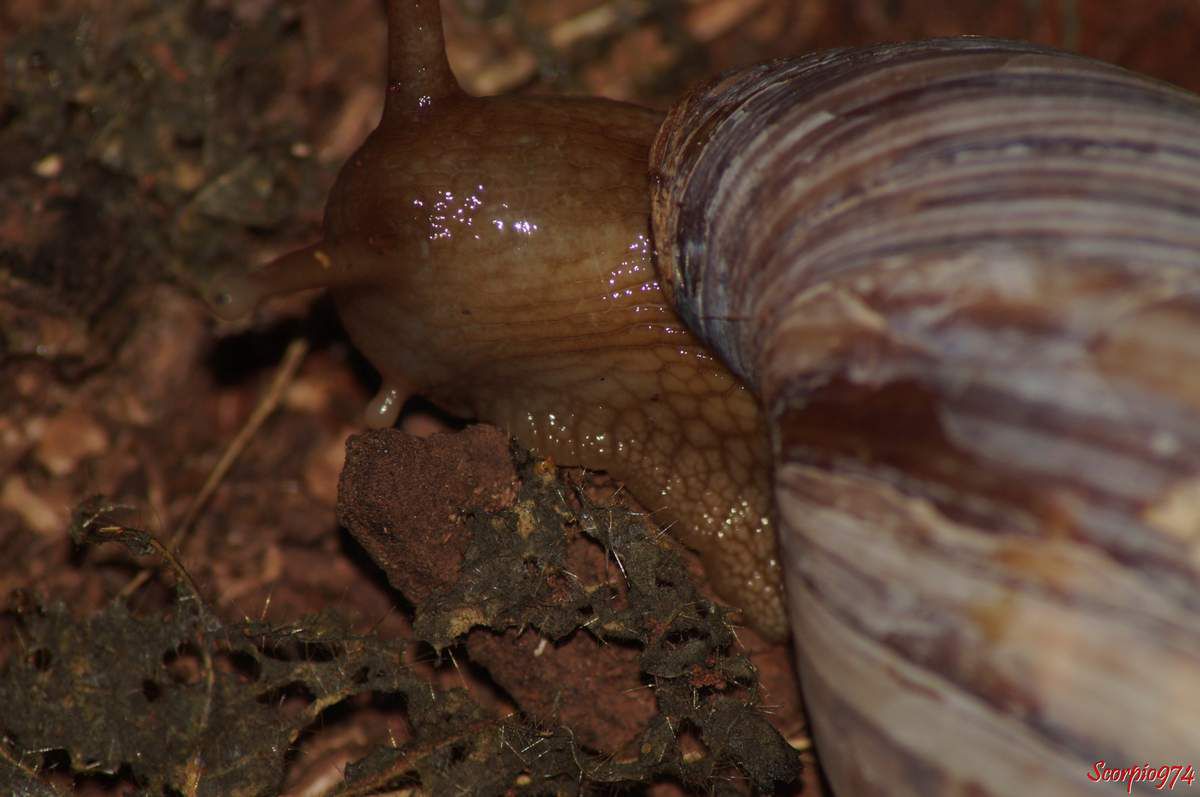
(284, 375)
(25, 769)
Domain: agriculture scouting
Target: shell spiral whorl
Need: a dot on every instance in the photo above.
(963, 276)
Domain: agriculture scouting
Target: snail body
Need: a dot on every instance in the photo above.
(960, 278)
(493, 254)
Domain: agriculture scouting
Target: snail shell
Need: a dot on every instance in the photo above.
(963, 277)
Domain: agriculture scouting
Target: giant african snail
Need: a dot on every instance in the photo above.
(961, 276)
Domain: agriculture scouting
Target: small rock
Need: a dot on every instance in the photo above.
(42, 515)
(69, 438)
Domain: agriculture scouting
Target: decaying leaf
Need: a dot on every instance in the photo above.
(185, 703)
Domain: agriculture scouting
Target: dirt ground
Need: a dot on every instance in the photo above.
(144, 145)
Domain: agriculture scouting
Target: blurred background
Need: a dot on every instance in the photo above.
(645, 50)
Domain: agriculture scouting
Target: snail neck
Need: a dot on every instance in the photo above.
(595, 370)
(648, 404)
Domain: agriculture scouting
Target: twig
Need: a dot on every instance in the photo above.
(284, 375)
(24, 768)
